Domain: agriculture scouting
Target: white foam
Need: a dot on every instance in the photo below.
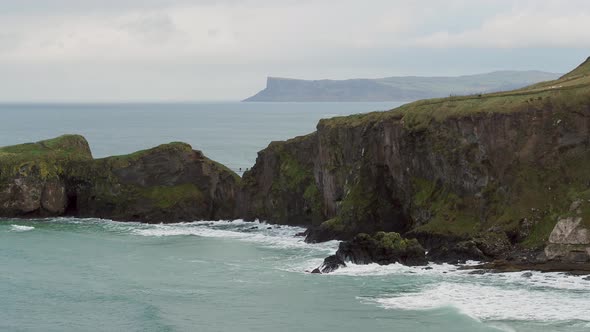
(268, 235)
(394, 269)
(21, 228)
(486, 302)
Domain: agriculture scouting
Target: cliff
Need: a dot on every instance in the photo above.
(168, 183)
(394, 88)
(476, 177)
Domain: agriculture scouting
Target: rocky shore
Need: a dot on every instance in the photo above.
(501, 178)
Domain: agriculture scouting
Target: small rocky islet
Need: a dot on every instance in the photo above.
(502, 178)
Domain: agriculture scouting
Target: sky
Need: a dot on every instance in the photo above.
(223, 50)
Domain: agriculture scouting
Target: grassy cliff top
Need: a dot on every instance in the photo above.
(172, 147)
(62, 147)
(568, 91)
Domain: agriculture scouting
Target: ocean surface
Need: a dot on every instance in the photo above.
(66, 274)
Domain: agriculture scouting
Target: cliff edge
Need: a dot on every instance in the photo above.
(491, 176)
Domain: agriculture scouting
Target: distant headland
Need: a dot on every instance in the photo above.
(402, 88)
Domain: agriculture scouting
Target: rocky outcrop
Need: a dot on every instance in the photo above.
(330, 264)
(570, 239)
(475, 177)
(33, 176)
(169, 183)
(382, 248)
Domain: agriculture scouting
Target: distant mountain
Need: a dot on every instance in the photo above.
(406, 88)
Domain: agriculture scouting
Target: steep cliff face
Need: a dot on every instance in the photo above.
(467, 176)
(281, 187)
(33, 176)
(169, 183)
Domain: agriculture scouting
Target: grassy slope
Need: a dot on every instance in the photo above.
(573, 85)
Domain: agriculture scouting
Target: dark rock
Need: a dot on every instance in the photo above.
(427, 268)
(493, 245)
(587, 278)
(382, 248)
(456, 253)
(527, 275)
(169, 183)
(269, 228)
(316, 271)
(331, 264)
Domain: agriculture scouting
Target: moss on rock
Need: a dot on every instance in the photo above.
(168, 183)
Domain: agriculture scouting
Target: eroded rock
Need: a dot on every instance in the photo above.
(570, 240)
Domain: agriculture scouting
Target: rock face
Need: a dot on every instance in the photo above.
(33, 176)
(281, 187)
(169, 183)
(330, 264)
(382, 248)
(570, 239)
(469, 177)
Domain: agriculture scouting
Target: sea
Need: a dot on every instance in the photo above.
(67, 274)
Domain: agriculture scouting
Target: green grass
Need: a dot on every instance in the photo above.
(45, 159)
(571, 90)
(125, 160)
(63, 146)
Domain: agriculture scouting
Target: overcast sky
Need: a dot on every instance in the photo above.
(164, 50)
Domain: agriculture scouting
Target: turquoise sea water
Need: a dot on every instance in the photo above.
(68, 274)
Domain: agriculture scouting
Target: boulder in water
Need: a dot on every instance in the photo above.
(382, 248)
(331, 264)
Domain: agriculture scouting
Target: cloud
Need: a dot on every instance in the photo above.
(521, 28)
(128, 41)
(222, 32)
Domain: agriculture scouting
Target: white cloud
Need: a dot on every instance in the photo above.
(128, 42)
(220, 33)
(520, 29)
